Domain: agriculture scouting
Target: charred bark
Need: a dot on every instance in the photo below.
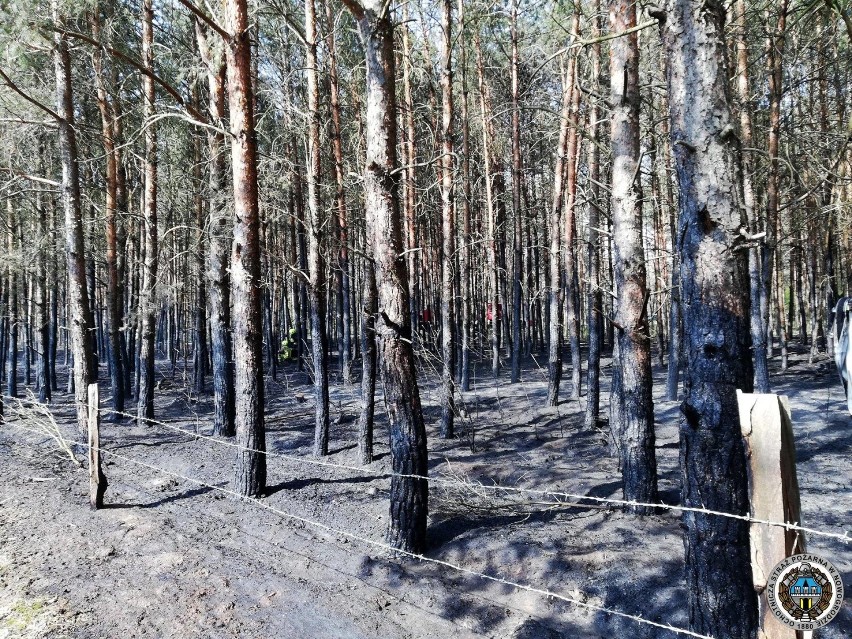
(632, 403)
(147, 297)
(114, 302)
(219, 234)
(409, 495)
(80, 320)
(717, 320)
(594, 297)
(448, 229)
(316, 268)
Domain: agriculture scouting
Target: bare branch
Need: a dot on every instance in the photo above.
(198, 13)
(139, 67)
(28, 97)
(27, 176)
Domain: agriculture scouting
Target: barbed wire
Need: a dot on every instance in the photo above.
(387, 548)
(845, 537)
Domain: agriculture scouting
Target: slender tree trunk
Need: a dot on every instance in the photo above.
(800, 263)
(775, 50)
(716, 314)
(554, 360)
(342, 271)
(122, 246)
(302, 257)
(661, 276)
(758, 330)
(675, 317)
(410, 184)
(200, 314)
(409, 496)
(595, 301)
(219, 234)
(27, 286)
(826, 240)
(572, 297)
(448, 229)
(465, 263)
(632, 403)
(516, 204)
(54, 310)
(778, 299)
(42, 315)
(368, 357)
(493, 305)
(13, 308)
(250, 478)
(811, 245)
(316, 267)
(114, 319)
(80, 319)
(147, 298)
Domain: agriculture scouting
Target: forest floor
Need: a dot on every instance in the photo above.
(170, 557)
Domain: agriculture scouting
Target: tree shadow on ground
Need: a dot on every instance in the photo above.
(187, 494)
(306, 482)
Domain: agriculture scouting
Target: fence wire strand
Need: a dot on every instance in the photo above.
(845, 536)
(383, 547)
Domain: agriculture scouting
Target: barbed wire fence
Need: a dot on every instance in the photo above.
(381, 547)
(42, 418)
(560, 497)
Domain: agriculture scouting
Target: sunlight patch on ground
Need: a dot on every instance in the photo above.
(23, 618)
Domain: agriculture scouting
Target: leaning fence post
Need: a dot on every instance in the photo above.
(773, 489)
(97, 479)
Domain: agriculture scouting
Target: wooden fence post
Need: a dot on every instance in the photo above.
(97, 479)
(767, 430)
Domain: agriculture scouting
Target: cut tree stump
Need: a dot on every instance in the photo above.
(97, 479)
(767, 430)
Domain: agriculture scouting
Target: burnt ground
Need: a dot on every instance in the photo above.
(171, 557)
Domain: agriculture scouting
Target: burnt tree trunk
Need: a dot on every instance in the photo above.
(250, 477)
(13, 307)
(758, 330)
(675, 317)
(464, 257)
(344, 320)
(199, 354)
(593, 260)
(448, 228)
(554, 359)
(41, 316)
(493, 303)
(409, 495)
(410, 183)
(774, 54)
(632, 404)
(147, 297)
(516, 204)
(716, 319)
(569, 201)
(114, 302)
(80, 319)
(316, 266)
(219, 233)
(368, 356)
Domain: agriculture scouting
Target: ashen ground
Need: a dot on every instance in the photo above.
(171, 558)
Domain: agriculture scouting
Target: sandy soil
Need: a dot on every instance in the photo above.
(172, 558)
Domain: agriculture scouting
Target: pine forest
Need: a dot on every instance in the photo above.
(385, 319)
